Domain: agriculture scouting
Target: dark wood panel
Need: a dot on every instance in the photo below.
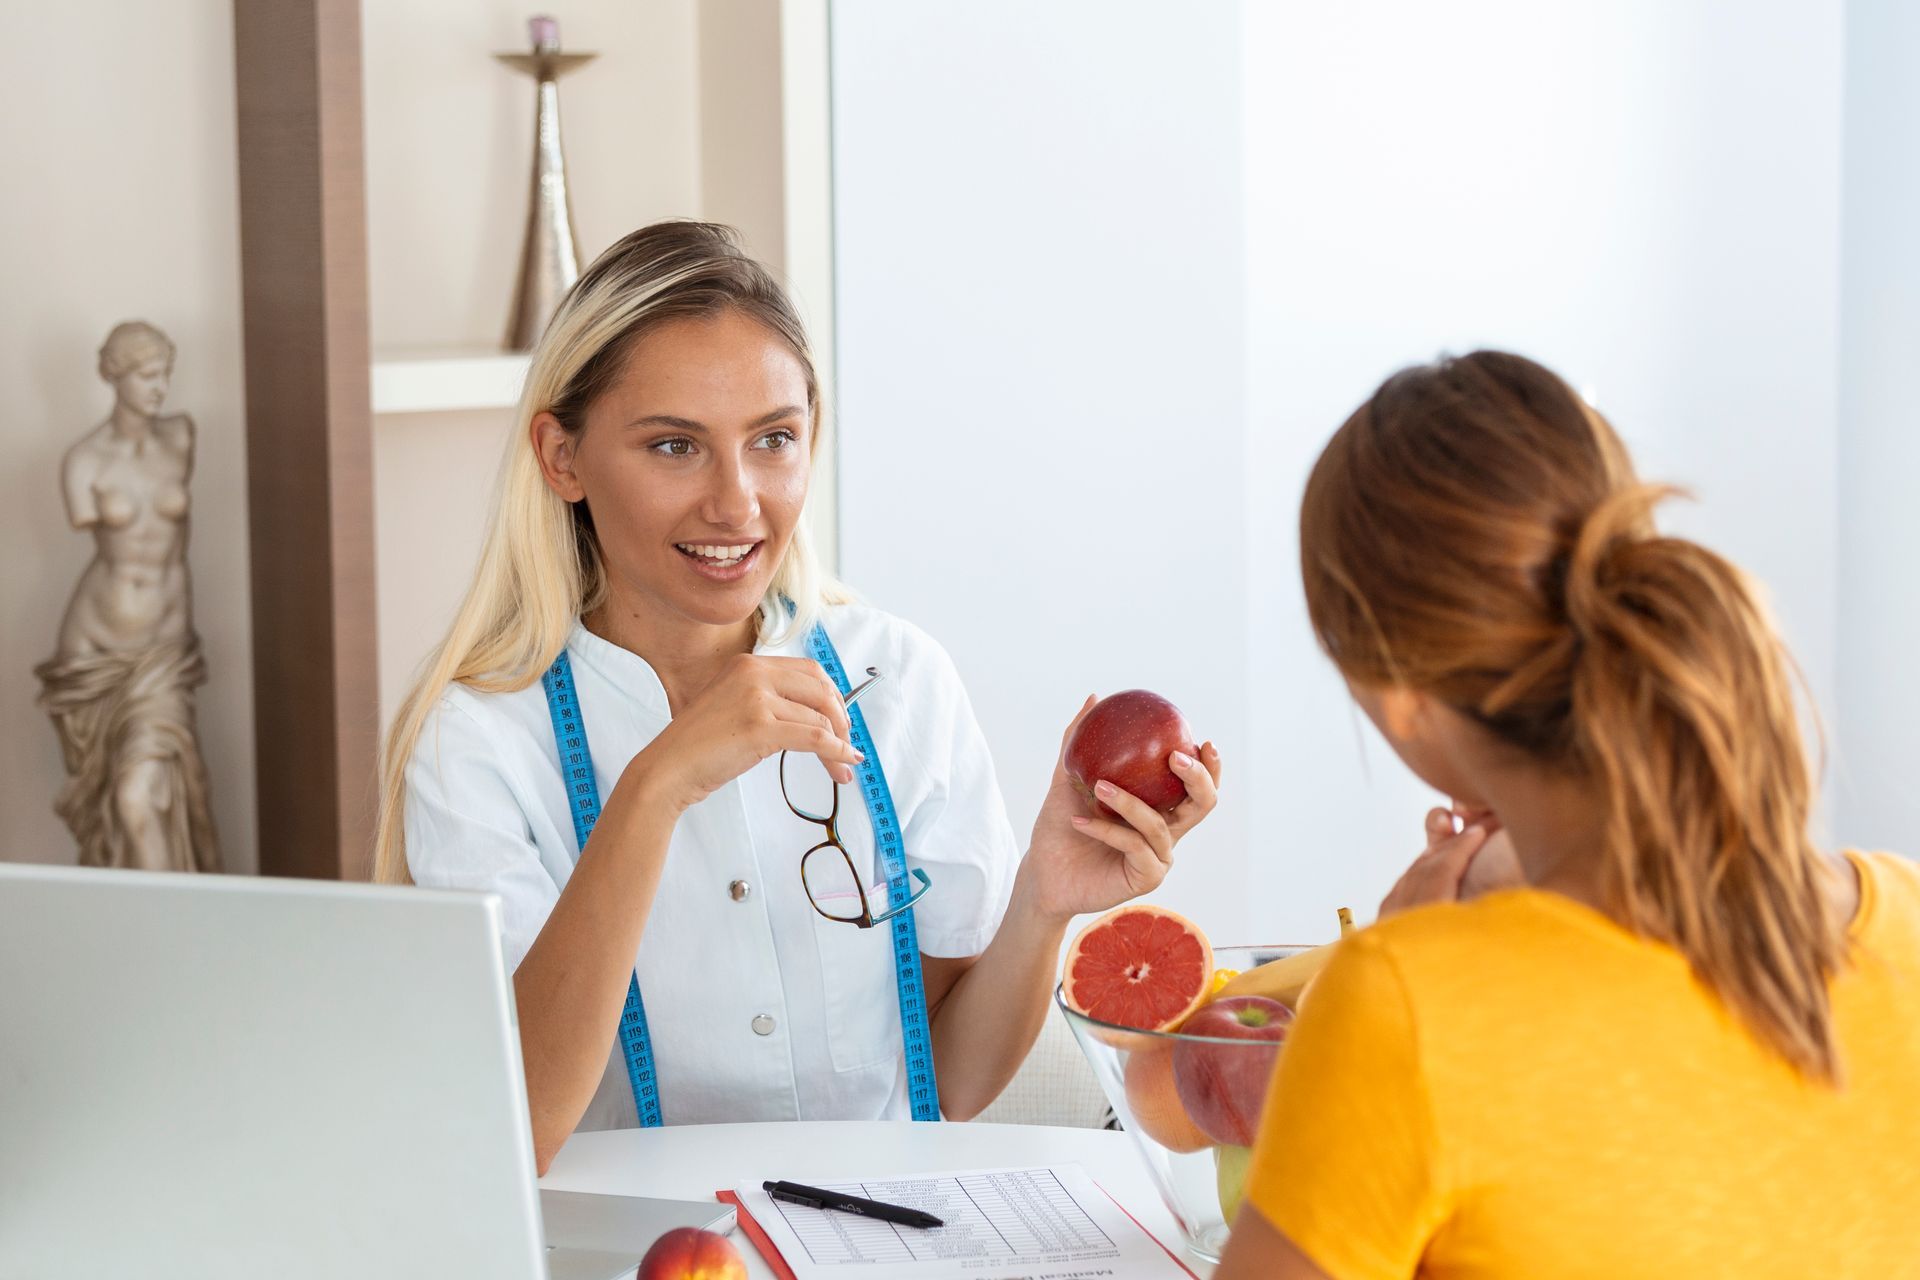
(309, 433)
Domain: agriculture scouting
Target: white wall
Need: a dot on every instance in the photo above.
(1041, 367)
(121, 203)
(1058, 252)
(1878, 723)
(1643, 195)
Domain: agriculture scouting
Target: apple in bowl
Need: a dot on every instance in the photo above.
(1222, 1086)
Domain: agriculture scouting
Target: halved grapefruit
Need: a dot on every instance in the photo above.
(1138, 966)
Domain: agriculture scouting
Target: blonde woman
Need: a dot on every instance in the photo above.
(1688, 1045)
(641, 733)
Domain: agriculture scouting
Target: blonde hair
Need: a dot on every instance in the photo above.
(1476, 531)
(540, 566)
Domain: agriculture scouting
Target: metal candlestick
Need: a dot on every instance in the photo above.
(549, 256)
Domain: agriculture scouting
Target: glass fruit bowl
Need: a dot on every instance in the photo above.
(1191, 1102)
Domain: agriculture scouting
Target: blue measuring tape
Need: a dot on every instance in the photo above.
(923, 1093)
(583, 798)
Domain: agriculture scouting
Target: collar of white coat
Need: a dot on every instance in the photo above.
(628, 671)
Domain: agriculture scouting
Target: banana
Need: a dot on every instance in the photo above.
(1280, 979)
(1284, 979)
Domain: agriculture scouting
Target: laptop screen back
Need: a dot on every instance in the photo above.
(226, 1076)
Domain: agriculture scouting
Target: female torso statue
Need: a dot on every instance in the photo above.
(120, 689)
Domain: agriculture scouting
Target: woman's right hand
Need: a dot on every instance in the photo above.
(758, 707)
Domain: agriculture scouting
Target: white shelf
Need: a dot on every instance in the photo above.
(435, 381)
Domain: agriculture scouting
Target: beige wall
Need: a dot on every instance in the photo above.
(714, 109)
(129, 133)
(446, 207)
(449, 149)
(120, 202)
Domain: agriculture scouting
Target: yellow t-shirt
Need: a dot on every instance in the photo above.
(1517, 1087)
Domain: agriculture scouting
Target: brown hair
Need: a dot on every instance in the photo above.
(1475, 531)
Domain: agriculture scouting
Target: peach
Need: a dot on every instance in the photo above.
(688, 1253)
(1154, 1099)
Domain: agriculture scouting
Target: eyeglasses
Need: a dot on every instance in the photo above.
(834, 885)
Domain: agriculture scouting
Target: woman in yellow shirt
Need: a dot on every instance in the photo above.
(1690, 1046)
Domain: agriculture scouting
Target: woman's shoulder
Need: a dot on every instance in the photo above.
(1518, 949)
(922, 687)
(860, 621)
(1888, 877)
(465, 715)
(866, 636)
(1888, 917)
(1467, 987)
(1516, 917)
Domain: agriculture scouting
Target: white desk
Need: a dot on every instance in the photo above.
(691, 1162)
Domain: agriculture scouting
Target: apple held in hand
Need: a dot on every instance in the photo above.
(1222, 1085)
(688, 1253)
(1126, 739)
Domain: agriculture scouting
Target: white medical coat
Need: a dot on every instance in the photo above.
(759, 1008)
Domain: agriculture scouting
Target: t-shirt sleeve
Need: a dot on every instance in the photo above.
(465, 827)
(958, 832)
(1346, 1162)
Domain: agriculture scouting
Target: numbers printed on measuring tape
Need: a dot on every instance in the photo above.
(583, 799)
(922, 1092)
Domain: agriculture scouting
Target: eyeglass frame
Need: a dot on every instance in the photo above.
(830, 822)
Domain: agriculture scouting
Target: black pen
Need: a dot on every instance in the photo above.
(820, 1198)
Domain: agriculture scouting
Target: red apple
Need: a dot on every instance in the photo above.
(688, 1253)
(1223, 1085)
(1125, 740)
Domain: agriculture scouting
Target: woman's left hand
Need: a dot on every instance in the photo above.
(1455, 866)
(1078, 864)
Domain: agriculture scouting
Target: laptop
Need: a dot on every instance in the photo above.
(209, 1076)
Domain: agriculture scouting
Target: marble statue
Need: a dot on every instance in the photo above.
(120, 689)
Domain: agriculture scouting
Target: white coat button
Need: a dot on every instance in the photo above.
(762, 1024)
(739, 890)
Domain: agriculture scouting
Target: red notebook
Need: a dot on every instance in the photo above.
(755, 1234)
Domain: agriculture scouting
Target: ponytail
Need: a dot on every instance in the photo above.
(1684, 715)
(1476, 531)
